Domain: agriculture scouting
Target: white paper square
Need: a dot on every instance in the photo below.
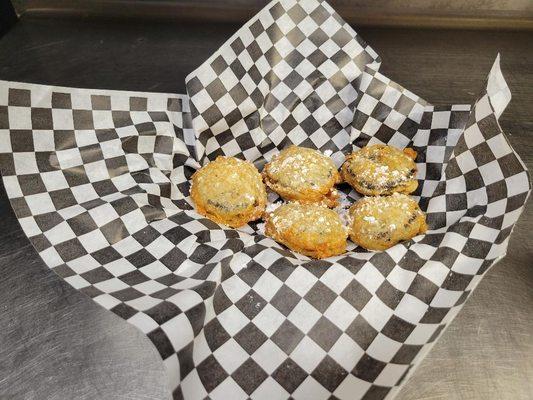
(43, 140)
(440, 120)
(84, 193)
(268, 390)
(186, 299)
(390, 374)
(83, 264)
(268, 320)
(127, 246)
(143, 322)
(143, 303)
(466, 265)
(369, 277)
(51, 257)
(103, 119)
(19, 117)
(159, 247)
(149, 287)
(483, 108)
(341, 313)
(25, 163)
(111, 285)
(311, 389)
(172, 367)
(96, 171)
(77, 282)
(269, 356)
(105, 300)
(394, 120)
(134, 221)
(336, 278)
(267, 285)
(12, 187)
(233, 320)
(192, 387)
(517, 184)
(491, 172)
(234, 288)
(119, 267)
(301, 280)
(60, 233)
(352, 388)
(376, 313)
(383, 348)
(112, 148)
(228, 389)
(446, 298)
(307, 354)
(421, 334)
(411, 309)
(62, 119)
(230, 355)
(179, 331)
(40, 203)
(499, 146)
(69, 158)
(435, 271)
(401, 278)
(466, 161)
(29, 226)
(346, 352)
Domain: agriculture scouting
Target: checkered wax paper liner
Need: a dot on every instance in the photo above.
(99, 182)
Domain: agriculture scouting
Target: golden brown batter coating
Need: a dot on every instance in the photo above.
(309, 229)
(229, 191)
(304, 175)
(381, 170)
(381, 222)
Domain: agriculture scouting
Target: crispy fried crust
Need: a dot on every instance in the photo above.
(381, 222)
(229, 191)
(381, 170)
(309, 229)
(304, 175)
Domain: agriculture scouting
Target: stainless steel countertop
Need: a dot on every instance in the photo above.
(55, 343)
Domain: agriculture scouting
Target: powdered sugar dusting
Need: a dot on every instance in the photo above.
(300, 169)
(380, 166)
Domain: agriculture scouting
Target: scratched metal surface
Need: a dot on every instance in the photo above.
(57, 344)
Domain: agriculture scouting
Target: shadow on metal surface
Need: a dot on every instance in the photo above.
(361, 13)
(8, 17)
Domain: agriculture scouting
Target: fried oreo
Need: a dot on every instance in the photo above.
(309, 229)
(380, 222)
(304, 175)
(229, 191)
(381, 170)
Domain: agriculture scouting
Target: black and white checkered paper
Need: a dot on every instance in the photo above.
(99, 181)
